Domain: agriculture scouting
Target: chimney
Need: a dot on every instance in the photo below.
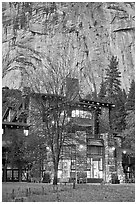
(25, 91)
(72, 89)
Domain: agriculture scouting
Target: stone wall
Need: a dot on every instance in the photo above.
(35, 117)
(121, 175)
(106, 173)
(112, 161)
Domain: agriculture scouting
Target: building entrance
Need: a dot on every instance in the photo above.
(95, 170)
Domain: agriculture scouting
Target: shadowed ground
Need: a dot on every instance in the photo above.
(40, 192)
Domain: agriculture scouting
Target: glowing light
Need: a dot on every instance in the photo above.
(48, 148)
(80, 146)
(26, 132)
(124, 152)
(68, 119)
(113, 148)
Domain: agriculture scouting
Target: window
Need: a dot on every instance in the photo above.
(9, 175)
(26, 132)
(73, 164)
(94, 150)
(3, 131)
(69, 151)
(100, 164)
(15, 174)
(81, 114)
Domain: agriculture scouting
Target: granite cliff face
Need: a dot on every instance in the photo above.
(84, 35)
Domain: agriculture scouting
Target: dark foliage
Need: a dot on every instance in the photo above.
(130, 103)
(129, 132)
(118, 114)
(16, 149)
(102, 91)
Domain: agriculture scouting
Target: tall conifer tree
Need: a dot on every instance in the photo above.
(119, 114)
(112, 79)
(115, 95)
(102, 91)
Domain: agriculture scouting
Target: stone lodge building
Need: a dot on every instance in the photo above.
(97, 159)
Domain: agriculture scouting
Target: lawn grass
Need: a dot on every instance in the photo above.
(40, 192)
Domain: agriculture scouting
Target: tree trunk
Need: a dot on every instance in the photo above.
(55, 180)
(5, 173)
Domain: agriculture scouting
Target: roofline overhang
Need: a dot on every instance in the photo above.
(15, 124)
(80, 101)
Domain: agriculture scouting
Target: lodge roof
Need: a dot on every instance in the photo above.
(20, 124)
(81, 101)
(101, 103)
(11, 99)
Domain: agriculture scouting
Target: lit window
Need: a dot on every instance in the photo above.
(81, 114)
(74, 113)
(26, 132)
(62, 114)
(77, 113)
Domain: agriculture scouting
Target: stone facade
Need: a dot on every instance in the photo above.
(110, 164)
(96, 153)
(120, 173)
(112, 149)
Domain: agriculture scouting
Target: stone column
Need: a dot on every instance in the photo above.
(106, 173)
(120, 173)
(104, 129)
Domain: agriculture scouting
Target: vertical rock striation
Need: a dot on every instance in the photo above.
(80, 36)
